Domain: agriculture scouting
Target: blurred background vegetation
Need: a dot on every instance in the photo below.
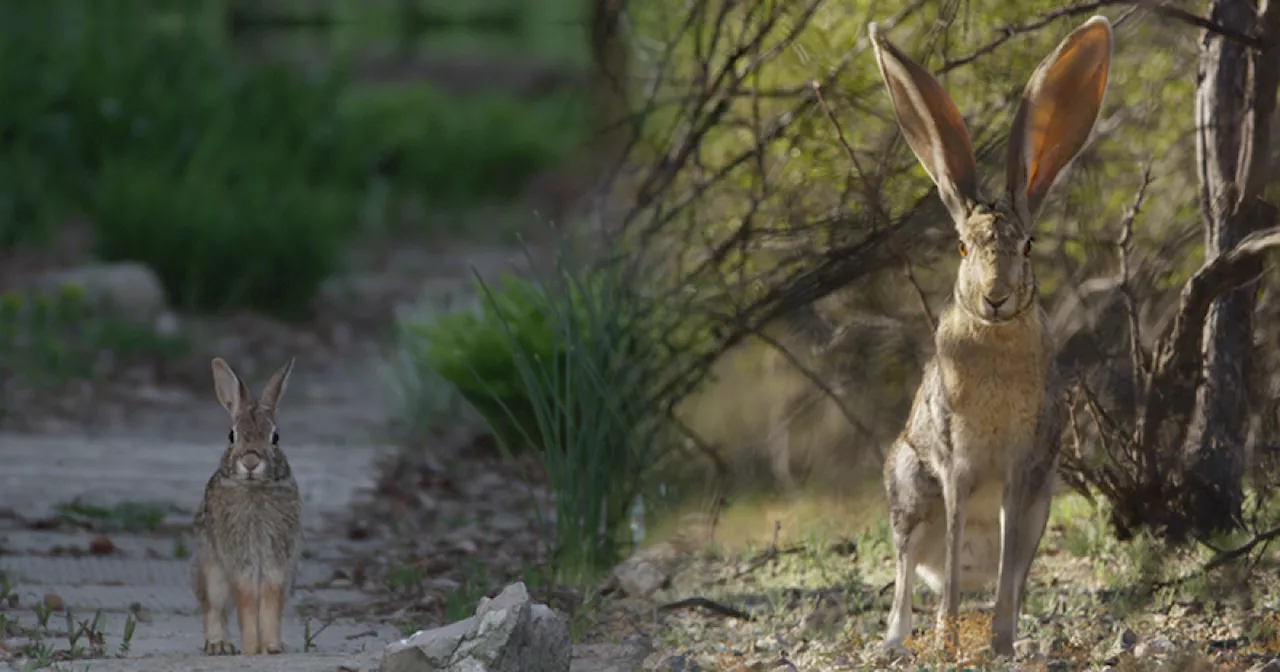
(225, 165)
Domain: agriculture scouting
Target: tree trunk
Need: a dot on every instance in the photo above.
(1235, 96)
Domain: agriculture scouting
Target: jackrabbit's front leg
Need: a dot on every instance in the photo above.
(900, 613)
(1005, 619)
(955, 495)
(1035, 514)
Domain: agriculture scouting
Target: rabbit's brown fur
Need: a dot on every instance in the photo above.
(970, 479)
(248, 529)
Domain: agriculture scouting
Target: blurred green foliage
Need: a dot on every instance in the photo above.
(238, 182)
(49, 339)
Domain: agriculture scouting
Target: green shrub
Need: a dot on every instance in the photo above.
(564, 367)
(457, 150)
(219, 241)
(472, 350)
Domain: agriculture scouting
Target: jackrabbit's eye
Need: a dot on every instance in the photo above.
(275, 438)
(1026, 247)
(964, 249)
(231, 436)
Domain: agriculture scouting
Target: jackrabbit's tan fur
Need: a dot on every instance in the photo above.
(970, 479)
(248, 529)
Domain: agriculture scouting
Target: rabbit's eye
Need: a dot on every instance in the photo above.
(1026, 247)
(275, 438)
(964, 249)
(231, 436)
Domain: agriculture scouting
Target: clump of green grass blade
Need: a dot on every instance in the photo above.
(593, 421)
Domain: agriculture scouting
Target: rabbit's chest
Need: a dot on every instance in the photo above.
(994, 394)
(262, 531)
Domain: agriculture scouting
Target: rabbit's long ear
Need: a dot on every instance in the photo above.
(1058, 110)
(276, 385)
(231, 390)
(932, 126)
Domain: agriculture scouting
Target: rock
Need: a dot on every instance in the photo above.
(680, 663)
(625, 657)
(128, 289)
(509, 633)
(646, 571)
(1156, 646)
(1125, 640)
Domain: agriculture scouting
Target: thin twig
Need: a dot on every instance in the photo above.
(1123, 244)
(1228, 556)
(816, 380)
(920, 295)
(1011, 30)
(709, 605)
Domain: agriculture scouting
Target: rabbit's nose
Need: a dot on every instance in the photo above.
(251, 461)
(995, 303)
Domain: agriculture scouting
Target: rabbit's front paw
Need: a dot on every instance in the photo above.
(221, 648)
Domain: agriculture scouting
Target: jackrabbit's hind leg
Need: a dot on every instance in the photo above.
(213, 590)
(246, 593)
(900, 613)
(270, 615)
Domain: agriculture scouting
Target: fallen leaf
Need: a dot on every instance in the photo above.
(101, 545)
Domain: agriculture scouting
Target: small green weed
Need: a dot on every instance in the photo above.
(460, 602)
(124, 516)
(309, 635)
(404, 579)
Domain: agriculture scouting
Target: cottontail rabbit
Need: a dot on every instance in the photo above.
(248, 529)
(970, 479)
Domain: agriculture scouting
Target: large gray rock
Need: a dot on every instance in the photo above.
(129, 289)
(509, 633)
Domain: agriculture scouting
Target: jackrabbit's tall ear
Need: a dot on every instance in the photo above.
(276, 385)
(231, 390)
(932, 126)
(1058, 111)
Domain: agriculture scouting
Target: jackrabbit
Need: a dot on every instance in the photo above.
(248, 529)
(969, 480)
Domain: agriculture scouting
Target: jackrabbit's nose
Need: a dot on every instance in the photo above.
(995, 303)
(250, 462)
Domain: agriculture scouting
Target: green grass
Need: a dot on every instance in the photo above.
(561, 367)
(122, 517)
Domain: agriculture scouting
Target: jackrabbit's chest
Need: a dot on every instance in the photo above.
(993, 398)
